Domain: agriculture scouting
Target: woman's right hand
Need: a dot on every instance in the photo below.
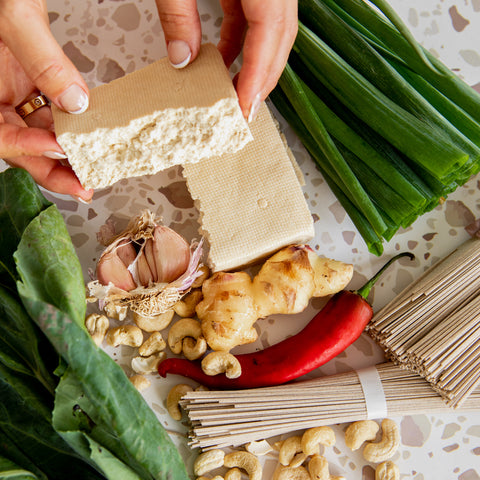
(31, 61)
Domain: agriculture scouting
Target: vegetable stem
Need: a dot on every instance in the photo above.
(365, 289)
(291, 85)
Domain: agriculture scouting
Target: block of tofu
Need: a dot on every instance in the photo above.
(251, 202)
(152, 119)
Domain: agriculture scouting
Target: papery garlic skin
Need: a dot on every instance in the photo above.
(161, 257)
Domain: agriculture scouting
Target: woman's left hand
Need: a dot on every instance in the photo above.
(29, 142)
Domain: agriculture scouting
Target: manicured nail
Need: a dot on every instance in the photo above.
(81, 200)
(74, 99)
(254, 108)
(54, 155)
(179, 53)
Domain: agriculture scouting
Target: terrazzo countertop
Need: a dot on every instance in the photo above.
(109, 38)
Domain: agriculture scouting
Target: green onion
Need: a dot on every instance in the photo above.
(372, 240)
(413, 137)
(371, 157)
(296, 95)
(392, 130)
(378, 30)
(354, 49)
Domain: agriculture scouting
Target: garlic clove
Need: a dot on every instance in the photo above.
(126, 251)
(171, 253)
(150, 256)
(144, 273)
(110, 268)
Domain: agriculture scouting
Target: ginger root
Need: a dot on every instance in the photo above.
(233, 302)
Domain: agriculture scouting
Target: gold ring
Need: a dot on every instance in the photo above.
(34, 104)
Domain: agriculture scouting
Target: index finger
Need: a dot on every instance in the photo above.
(272, 28)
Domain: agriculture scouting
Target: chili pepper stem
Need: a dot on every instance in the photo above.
(365, 290)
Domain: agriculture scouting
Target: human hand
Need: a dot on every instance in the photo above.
(32, 61)
(265, 29)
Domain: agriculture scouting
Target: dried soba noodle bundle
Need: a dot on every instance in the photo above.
(231, 418)
(433, 326)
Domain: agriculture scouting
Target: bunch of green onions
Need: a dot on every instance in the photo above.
(391, 128)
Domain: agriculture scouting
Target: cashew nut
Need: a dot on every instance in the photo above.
(318, 469)
(216, 477)
(153, 344)
(289, 473)
(233, 474)
(204, 274)
(173, 398)
(185, 327)
(262, 447)
(126, 335)
(277, 445)
(207, 461)
(115, 311)
(146, 365)
(313, 437)
(140, 382)
(221, 362)
(289, 448)
(359, 432)
(154, 323)
(387, 471)
(186, 306)
(387, 446)
(246, 461)
(97, 326)
(298, 460)
(194, 349)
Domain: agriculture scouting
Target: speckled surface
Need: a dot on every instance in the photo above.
(107, 38)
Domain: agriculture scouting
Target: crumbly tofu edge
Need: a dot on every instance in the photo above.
(106, 156)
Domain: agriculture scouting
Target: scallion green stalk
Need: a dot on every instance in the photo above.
(419, 141)
(292, 87)
(383, 33)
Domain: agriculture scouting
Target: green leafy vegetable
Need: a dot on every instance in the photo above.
(10, 470)
(49, 267)
(72, 418)
(20, 202)
(67, 410)
(20, 342)
(25, 422)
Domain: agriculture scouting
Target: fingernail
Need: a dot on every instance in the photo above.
(74, 99)
(179, 53)
(81, 200)
(54, 155)
(254, 108)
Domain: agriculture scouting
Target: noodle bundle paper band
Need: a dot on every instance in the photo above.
(372, 387)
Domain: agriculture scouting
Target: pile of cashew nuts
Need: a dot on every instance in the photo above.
(145, 334)
(299, 456)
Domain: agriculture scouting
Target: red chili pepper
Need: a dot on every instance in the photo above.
(330, 332)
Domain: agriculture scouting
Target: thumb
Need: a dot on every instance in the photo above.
(181, 27)
(41, 57)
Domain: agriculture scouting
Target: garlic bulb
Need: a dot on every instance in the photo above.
(148, 267)
(129, 264)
